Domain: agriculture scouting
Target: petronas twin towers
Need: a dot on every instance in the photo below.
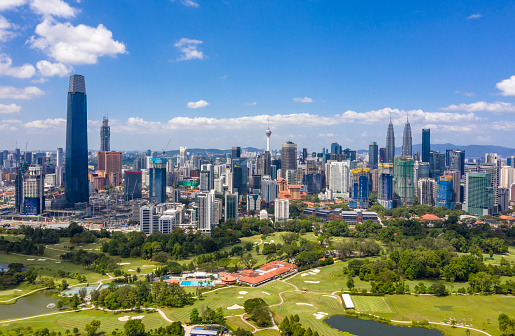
(406, 141)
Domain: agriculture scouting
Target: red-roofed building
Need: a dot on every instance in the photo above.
(430, 217)
(268, 272)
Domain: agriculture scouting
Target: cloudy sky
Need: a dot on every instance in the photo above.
(210, 74)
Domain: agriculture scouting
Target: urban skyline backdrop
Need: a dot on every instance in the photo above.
(212, 74)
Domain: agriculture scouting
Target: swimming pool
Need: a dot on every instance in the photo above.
(197, 283)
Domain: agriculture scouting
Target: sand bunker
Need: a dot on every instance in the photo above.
(304, 274)
(137, 317)
(304, 304)
(30, 259)
(265, 293)
(306, 281)
(320, 315)
(124, 318)
(41, 259)
(312, 273)
(121, 264)
(131, 270)
(316, 270)
(57, 262)
(331, 296)
(240, 297)
(242, 293)
(148, 266)
(235, 306)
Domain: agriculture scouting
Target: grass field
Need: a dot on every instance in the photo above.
(235, 322)
(371, 304)
(67, 321)
(269, 332)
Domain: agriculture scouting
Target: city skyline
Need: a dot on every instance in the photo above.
(314, 82)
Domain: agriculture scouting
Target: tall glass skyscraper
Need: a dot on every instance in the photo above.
(390, 143)
(373, 155)
(403, 184)
(406, 140)
(157, 180)
(76, 167)
(426, 144)
(105, 136)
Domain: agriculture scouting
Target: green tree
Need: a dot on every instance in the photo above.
(194, 316)
(92, 327)
(350, 283)
(134, 328)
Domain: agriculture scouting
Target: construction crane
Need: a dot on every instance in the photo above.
(164, 150)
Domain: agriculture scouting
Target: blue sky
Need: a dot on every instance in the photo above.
(211, 73)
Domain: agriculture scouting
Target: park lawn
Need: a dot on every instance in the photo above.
(227, 297)
(67, 321)
(235, 322)
(319, 303)
(268, 332)
(24, 288)
(50, 268)
(371, 304)
(475, 310)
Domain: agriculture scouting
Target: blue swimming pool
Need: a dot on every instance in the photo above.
(197, 283)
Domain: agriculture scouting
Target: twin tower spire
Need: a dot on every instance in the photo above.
(407, 149)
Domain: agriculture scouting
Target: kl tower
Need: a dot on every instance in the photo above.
(268, 134)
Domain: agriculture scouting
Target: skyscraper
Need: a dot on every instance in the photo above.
(390, 143)
(157, 180)
(426, 144)
(406, 140)
(426, 191)
(111, 164)
(105, 135)
(231, 206)
(373, 155)
(132, 185)
(385, 185)
(288, 158)
(403, 184)
(206, 211)
(236, 152)
(76, 167)
(479, 196)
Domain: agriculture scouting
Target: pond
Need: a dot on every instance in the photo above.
(41, 302)
(361, 327)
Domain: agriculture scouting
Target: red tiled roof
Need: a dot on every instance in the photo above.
(430, 217)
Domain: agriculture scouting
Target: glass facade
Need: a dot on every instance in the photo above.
(479, 195)
(132, 185)
(157, 180)
(426, 144)
(76, 166)
(404, 185)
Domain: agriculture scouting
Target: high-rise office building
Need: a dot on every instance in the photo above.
(510, 161)
(390, 143)
(111, 164)
(339, 176)
(77, 185)
(373, 155)
(426, 144)
(264, 161)
(403, 184)
(456, 161)
(359, 188)
(231, 206)
(281, 210)
(132, 185)
(105, 136)
(269, 189)
(33, 191)
(206, 211)
(288, 158)
(336, 148)
(236, 152)
(445, 191)
(479, 196)
(253, 202)
(383, 157)
(148, 219)
(436, 164)
(407, 140)
(157, 180)
(427, 191)
(385, 185)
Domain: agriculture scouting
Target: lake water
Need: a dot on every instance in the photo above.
(41, 302)
(361, 327)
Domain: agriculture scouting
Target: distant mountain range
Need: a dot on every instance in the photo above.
(211, 151)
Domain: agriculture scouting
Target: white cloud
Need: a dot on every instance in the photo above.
(303, 100)
(10, 4)
(441, 119)
(6, 28)
(507, 86)
(250, 104)
(48, 69)
(188, 3)
(199, 104)
(497, 107)
(468, 94)
(326, 135)
(47, 123)
(474, 16)
(10, 92)
(189, 49)
(53, 8)
(10, 109)
(7, 69)
(75, 44)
